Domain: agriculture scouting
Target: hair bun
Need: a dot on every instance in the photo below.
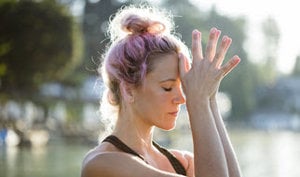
(135, 24)
(138, 20)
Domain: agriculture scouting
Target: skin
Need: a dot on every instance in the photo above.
(156, 103)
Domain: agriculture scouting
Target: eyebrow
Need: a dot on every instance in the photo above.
(167, 80)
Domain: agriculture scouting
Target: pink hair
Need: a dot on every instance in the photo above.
(137, 36)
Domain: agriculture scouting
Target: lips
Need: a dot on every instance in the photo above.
(174, 113)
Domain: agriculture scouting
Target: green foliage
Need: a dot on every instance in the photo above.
(36, 45)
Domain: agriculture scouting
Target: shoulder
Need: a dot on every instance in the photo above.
(94, 161)
(106, 164)
(92, 156)
(110, 164)
(187, 160)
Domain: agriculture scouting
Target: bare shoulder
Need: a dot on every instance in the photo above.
(100, 162)
(96, 152)
(111, 163)
(187, 160)
(104, 164)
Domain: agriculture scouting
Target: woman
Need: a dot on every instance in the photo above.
(148, 77)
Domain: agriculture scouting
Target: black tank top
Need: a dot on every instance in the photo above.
(178, 167)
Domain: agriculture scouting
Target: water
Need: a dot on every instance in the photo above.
(260, 153)
(268, 154)
(57, 159)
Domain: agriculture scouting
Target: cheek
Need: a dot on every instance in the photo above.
(155, 102)
(163, 101)
(154, 98)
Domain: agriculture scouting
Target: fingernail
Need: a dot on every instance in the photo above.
(195, 33)
(237, 58)
(213, 30)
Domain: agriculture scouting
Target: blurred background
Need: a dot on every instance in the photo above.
(50, 88)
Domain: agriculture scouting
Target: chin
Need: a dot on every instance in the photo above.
(168, 127)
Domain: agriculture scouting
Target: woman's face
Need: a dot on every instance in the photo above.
(158, 99)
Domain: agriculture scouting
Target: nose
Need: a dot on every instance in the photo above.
(179, 98)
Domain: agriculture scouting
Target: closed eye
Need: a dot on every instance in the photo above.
(167, 89)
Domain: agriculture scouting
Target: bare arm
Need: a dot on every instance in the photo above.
(200, 82)
(232, 163)
(209, 156)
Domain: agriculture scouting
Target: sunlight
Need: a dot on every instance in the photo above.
(284, 12)
(225, 104)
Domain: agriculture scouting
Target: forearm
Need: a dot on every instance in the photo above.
(200, 81)
(233, 166)
(209, 156)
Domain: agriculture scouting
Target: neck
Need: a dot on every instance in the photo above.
(134, 132)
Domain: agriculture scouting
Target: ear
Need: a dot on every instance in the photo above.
(127, 92)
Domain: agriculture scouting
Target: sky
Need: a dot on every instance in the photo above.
(285, 12)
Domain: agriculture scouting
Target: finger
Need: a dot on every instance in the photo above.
(212, 44)
(184, 65)
(196, 46)
(230, 65)
(220, 55)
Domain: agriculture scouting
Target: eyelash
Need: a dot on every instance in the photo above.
(167, 89)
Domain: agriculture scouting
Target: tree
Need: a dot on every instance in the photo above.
(36, 45)
(95, 23)
(187, 17)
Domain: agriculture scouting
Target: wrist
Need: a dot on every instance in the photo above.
(213, 99)
(197, 99)
(197, 103)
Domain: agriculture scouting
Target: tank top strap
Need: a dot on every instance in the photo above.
(121, 146)
(178, 167)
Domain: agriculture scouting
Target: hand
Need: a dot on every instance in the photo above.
(203, 78)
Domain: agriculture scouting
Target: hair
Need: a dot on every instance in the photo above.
(138, 35)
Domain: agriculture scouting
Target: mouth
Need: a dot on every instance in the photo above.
(175, 113)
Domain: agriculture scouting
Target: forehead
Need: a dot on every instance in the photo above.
(164, 67)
